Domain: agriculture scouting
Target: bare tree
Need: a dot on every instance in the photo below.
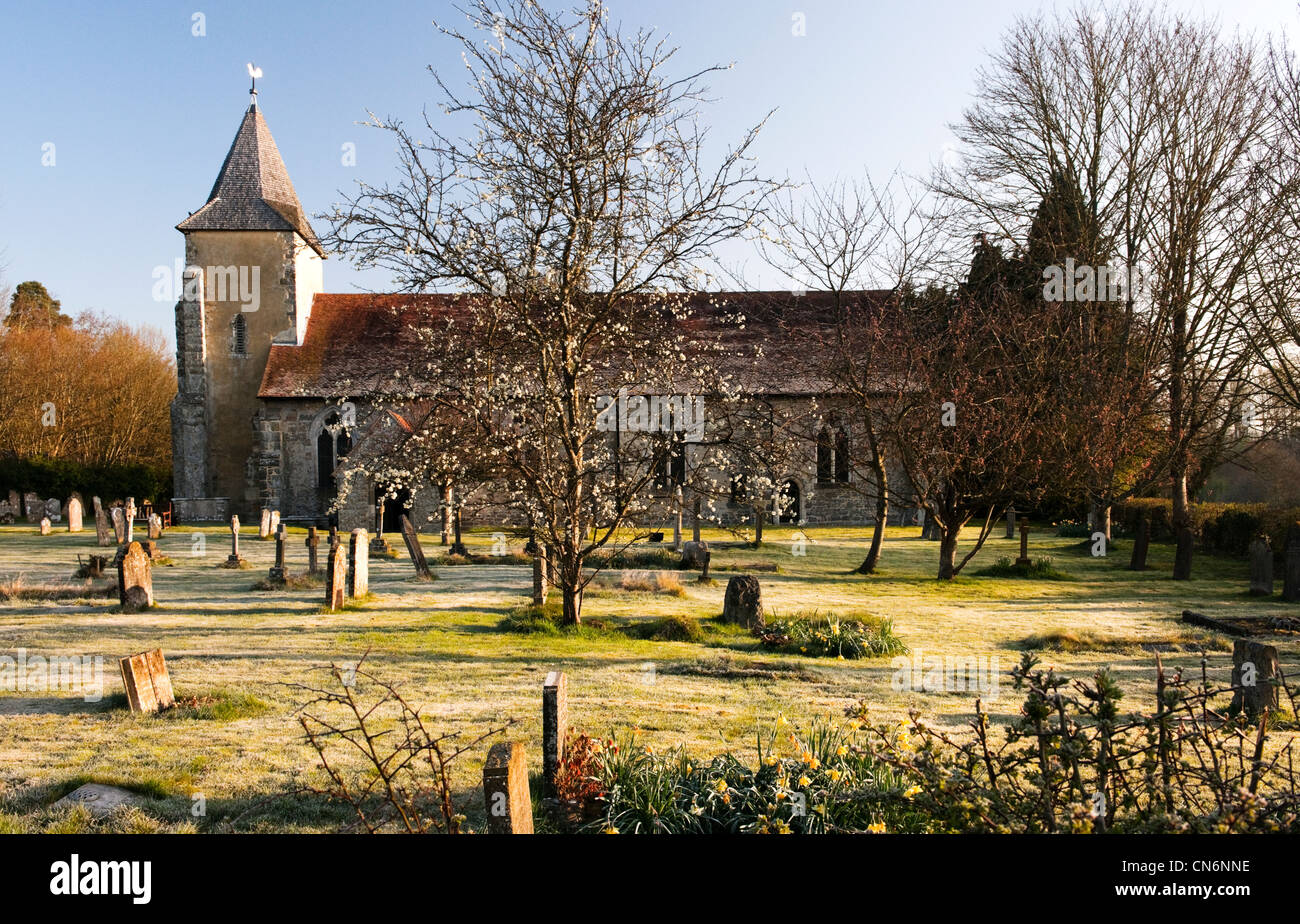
(575, 204)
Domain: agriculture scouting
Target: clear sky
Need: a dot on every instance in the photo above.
(140, 111)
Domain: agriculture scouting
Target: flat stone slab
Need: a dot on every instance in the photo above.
(99, 799)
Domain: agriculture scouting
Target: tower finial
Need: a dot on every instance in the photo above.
(253, 72)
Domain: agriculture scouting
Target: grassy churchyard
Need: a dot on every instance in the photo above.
(235, 653)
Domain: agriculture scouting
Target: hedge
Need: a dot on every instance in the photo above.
(1224, 529)
(59, 478)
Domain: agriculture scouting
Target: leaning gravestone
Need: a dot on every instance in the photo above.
(45, 526)
(148, 685)
(102, 533)
(119, 525)
(505, 789)
(74, 515)
(54, 510)
(1254, 677)
(359, 572)
(743, 602)
(413, 549)
(264, 527)
(135, 579)
(336, 578)
(1261, 568)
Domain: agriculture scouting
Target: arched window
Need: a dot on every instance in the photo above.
(239, 336)
(332, 446)
(825, 456)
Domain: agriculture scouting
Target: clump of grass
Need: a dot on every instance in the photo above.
(653, 582)
(654, 558)
(726, 668)
(217, 706)
(475, 558)
(18, 589)
(1040, 569)
(672, 628)
(548, 620)
(825, 635)
(1076, 641)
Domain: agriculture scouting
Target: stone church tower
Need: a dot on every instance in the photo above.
(253, 266)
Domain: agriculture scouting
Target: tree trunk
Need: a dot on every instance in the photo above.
(572, 605)
(947, 553)
(868, 566)
(1101, 520)
(759, 516)
(446, 513)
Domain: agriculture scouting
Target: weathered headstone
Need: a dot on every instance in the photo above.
(102, 532)
(45, 526)
(336, 578)
(234, 560)
(694, 554)
(334, 537)
(277, 570)
(53, 509)
(505, 789)
(1183, 554)
(135, 578)
(1254, 677)
(33, 507)
(1024, 545)
(313, 551)
(743, 602)
(555, 723)
(1011, 523)
(119, 525)
(359, 571)
(15, 503)
(128, 517)
(275, 522)
(7, 513)
(99, 799)
(75, 515)
(264, 526)
(541, 582)
(413, 549)
(155, 527)
(1261, 567)
(1138, 560)
(148, 685)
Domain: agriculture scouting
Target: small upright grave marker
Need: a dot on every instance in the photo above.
(135, 578)
(336, 578)
(264, 526)
(1261, 567)
(45, 526)
(102, 534)
(1024, 545)
(743, 602)
(75, 515)
(505, 789)
(277, 570)
(234, 560)
(1254, 676)
(359, 573)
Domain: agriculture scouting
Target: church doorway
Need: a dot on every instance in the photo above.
(788, 502)
(394, 507)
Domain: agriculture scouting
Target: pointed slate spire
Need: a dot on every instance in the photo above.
(253, 191)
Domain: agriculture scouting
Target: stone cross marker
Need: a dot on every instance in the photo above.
(135, 579)
(1024, 545)
(743, 601)
(541, 586)
(148, 685)
(1254, 676)
(413, 549)
(234, 560)
(379, 545)
(505, 789)
(45, 526)
(119, 525)
(277, 570)
(359, 573)
(264, 527)
(128, 517)
(75, 515)
(555, 723)
(1261, 568)
(313, 553)
(101, 524)
(336, 578)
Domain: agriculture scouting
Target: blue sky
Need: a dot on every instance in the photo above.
(141, 111)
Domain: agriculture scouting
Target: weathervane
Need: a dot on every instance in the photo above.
(254, 72)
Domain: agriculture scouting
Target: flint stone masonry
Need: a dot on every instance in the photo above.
(505, 789)
(743, 602)
(148, 684)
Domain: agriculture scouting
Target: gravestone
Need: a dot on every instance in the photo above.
(359, 572)
(264, 527)
(413, 549)
(277, 570)
(151, 549)
(95, 565)
(234, 560)
(555, 723)
(99, 799)
(1138, 560)
(148, 685)
(1024, 545)
(334, 537)
(379, 545)
(135, 578)
(128, 517)
(53, 510)
(743, 602)
(336, 578)
(75, 515)
(119, 525)
(16, 503)
(1261, 567)
(45, 526)
(1011, 523)
(313, 551)
(33, 507)
(1183, 555)
(102, 531)
(505, 789)
(155, 527)
(7, 513)
(694, 555)
(1254, 677)
(1291, 572)
(541, 575)
(275, 523)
